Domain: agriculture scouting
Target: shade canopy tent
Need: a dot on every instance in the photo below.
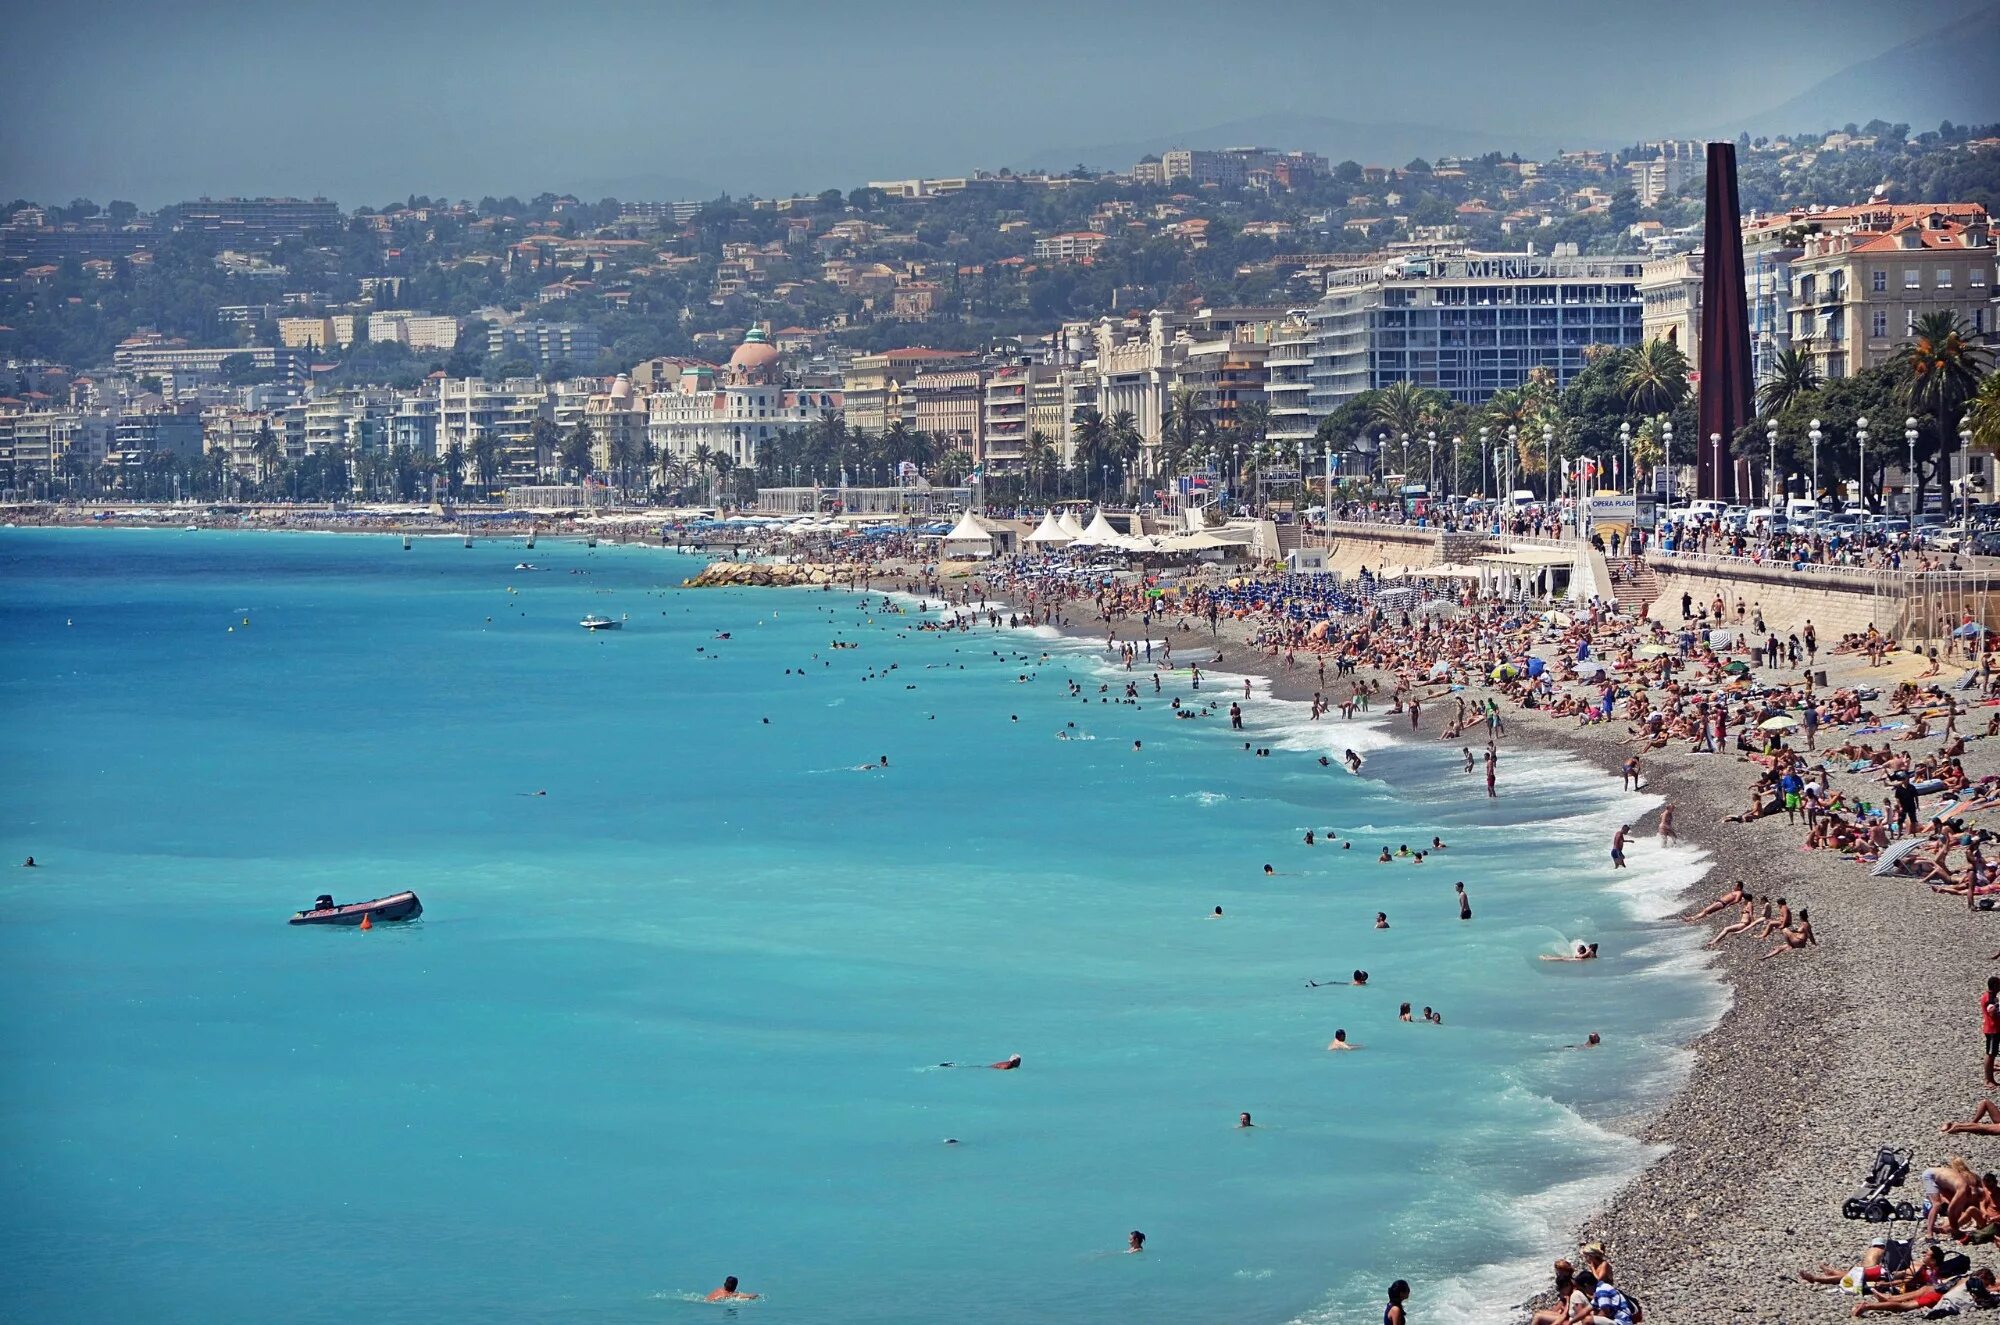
(968, 539)
(1066, 522)
(1050, 533)
(1528, 573)
(1099, 534)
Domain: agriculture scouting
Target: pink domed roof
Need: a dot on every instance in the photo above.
(754, 352)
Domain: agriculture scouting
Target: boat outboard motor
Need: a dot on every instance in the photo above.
(324, 902)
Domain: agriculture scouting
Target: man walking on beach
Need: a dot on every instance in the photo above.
(1989, 1023)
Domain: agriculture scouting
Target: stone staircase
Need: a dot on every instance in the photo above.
(1634, 584)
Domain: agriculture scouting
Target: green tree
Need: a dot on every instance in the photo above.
(1655, 378)
(1793, 377)
(1937, 375)
(575, 452)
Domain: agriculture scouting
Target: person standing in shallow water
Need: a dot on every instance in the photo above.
(1395, 1313)
(1464, 902)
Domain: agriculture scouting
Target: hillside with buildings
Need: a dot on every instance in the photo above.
(1039, 330)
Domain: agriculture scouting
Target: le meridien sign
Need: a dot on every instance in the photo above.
(1531, 267)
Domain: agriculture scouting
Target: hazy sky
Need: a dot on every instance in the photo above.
(365, 102)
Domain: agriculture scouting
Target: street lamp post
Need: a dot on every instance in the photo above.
(1715, 440)
(1485, 449)
(1965, 477)
(1431, 484)
(1453, 476)
(1513, 445)
(1625, 444)
(1771, 472)
(1815, 435)
(1667, 453)
(1910, 484)
(1548, 470)
(1861, 461)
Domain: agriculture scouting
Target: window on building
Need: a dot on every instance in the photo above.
(1978, 321)
(1913, 279)
(1977, 278)
(1944, 278)
(1880, 280)
(1879, 323)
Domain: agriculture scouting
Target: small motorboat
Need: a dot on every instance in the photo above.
(383, 910)
(600, 623)
(526, 565)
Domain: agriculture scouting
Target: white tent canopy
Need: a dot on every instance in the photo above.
(1099, 534)
(1048, 531)
(1066, 522)
(967, 538)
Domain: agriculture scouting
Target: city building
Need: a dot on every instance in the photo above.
(48, 443)
(1673, 167)
(472, 410)
(1022, 399)
(1287, 386)
(1070, 246)
(181, 362)
(1468, 324)
(1858, 291)
(1670, 290)
(872, 384)
(421, 332)
(263, 220)
(736, 410)
(618, 422)
(544, 344)
(137, 437)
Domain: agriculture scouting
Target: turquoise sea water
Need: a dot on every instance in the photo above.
(679, 1017)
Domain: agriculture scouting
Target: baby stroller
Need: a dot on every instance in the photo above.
(1873, 1203)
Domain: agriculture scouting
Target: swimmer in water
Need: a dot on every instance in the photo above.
(1243, 1121)
(1135, 1241)
(1340, 1041)
(1381, 920)
(1007, 1064)
(1384, 858)
(1585, 952)
(1589, 1043)
(1269, 870)
(729, 1292)
(1353, 761)
(1216, 914)
(29, 864)
(1404, 1015)
(1309, 837)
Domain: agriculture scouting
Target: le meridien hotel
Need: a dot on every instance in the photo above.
(1467, 324)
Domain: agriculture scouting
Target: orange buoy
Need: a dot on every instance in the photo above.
(367, 923)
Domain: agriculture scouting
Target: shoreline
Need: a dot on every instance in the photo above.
(1804, 1075)
(1809, 1068)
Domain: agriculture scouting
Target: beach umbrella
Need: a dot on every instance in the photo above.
(1561, 619)
(1738, 668)
(1653, 651)
(1890, 861)
(1783, 722)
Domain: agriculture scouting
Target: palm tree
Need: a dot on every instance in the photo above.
(627, 449)
(1124, 445)
(1937, 374)
(267, 452)
(1792, 378)
(1985, 414)
(575, 453)
(952, 467)
(1183, 427)
(702, 456)
(454, 469)
(486, 460)
(1035, 456)
(721, 462)
(1655, 377)
(1404, 409)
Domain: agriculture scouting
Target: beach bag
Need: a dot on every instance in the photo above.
(1638, 1312)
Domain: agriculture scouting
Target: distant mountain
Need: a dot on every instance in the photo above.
(1338, 140)
(1946, 75)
